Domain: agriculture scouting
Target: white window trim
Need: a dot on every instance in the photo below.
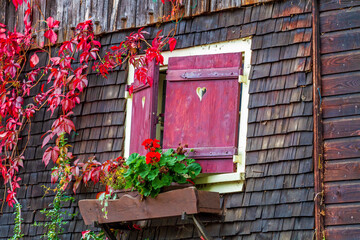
(227, 182)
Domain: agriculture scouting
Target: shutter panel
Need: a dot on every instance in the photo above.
(202, 108)
(144, 111)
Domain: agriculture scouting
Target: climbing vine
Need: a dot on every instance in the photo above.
(61, 82)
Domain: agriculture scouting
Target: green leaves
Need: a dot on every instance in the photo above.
(132, 158)
(153, 174)
(149, 179)
(180, 168)
(193, 169)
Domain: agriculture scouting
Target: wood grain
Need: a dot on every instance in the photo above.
(345, 192)
(343, 83)
(201, 7)
(203, 74)
(110, 15)
(204, 114)
(340, 62)
(167, 204)
(250, 2)
(342, 232)
(342, 170)
(326, 5)
(341, 106)
(340, 41)
(342, 214)
(340, 19)
(342, 148)
(346, 127)
(144, 110)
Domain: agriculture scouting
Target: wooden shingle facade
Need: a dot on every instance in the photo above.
(277, 201)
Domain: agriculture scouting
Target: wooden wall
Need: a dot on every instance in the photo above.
(277, 202)
(340, 49)
(110, 15)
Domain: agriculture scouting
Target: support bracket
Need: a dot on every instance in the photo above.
(198, 224)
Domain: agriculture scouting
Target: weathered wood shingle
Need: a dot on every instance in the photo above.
(277, 202)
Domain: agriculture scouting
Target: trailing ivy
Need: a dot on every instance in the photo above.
(56, 215)
(18, 220)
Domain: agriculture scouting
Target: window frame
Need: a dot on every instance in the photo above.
(219, 182)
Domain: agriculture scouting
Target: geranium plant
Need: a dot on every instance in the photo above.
(147, 174)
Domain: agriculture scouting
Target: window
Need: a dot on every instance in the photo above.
(203, 102)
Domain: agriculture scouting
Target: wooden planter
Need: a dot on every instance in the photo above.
(167, 204)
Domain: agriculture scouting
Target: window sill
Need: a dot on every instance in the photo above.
(221, 183)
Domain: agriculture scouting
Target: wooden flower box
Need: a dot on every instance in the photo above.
(168, 204)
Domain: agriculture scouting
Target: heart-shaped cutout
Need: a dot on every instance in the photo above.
(200, 91)
(143, 101)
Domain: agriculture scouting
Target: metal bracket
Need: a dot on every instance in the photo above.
(108, 232)
(200, 227)
(243, 79)
(237, 158)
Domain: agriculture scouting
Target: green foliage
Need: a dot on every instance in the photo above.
(18, 220)
(55, 214)
(89, 235)
(148, 179)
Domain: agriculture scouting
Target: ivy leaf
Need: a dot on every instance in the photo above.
(50, 153)
(17, 3)
(34, 60)
(51, 35)
(100, 195)
(172, 44)
(76, 184)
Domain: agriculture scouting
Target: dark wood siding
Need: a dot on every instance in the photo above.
(277, 202)
(109, 15)
(340, 63)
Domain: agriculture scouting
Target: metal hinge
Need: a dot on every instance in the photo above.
(237, 158)
(243, 79)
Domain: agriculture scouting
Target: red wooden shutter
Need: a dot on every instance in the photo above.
(144, 111)
(202, 108)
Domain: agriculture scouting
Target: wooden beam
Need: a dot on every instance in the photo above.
(342, 170)
(342, 214)
(318, 146)
(346, 192)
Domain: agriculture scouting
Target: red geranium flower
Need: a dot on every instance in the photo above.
(152, 157)
(156, 143)
(151, 144)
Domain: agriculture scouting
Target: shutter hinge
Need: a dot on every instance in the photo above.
(243, 79)
(237, 158)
